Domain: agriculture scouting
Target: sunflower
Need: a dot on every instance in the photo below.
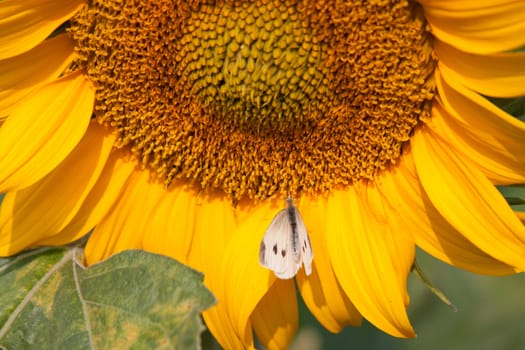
(180, 127)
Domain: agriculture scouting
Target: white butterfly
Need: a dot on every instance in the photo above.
(286, 244)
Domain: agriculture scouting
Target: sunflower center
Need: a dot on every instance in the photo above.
(256, 66)
(258, 97)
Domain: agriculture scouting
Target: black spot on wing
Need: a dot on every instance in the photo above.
(283, 252)
(274, 249)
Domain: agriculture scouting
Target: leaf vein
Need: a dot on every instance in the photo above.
(32, 292)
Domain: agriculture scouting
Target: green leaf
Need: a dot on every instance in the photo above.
(132, 300)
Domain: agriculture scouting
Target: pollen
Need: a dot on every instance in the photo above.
(255, 98)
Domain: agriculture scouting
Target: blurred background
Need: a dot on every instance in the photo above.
(490, 315)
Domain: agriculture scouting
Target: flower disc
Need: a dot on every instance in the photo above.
(258, 97)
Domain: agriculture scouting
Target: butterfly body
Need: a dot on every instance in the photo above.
(286, 245)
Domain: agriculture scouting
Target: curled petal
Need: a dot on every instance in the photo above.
(275, 319)
(241, 271)
(402, 189)
(208, 238)
(468, 200)
(489, 154)
(363, 251)
(480, 131)
(321, 290)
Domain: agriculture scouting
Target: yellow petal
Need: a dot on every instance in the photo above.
(480, 131)
(208, 231)
(99, 201)
(275, 319)
(485, 26)
(128, 220)
(171, 227)
(433, 233)
(219, 324)
(471, 108)
(321, 291)
(200, 238)
(45, 208)
(370, 260)
(467, 199)
(521, 216)
(218, 318)
(24, 73)
(213, 227)
(493, 159)
(43, 129)
(401, 243)
(499, 75)
(244, 281)
(229, 330)
(25, 24)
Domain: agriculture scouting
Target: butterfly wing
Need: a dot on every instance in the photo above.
(305, 248)
(275, 252)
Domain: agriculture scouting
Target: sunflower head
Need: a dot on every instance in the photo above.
(147, 119)
(260, 97)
